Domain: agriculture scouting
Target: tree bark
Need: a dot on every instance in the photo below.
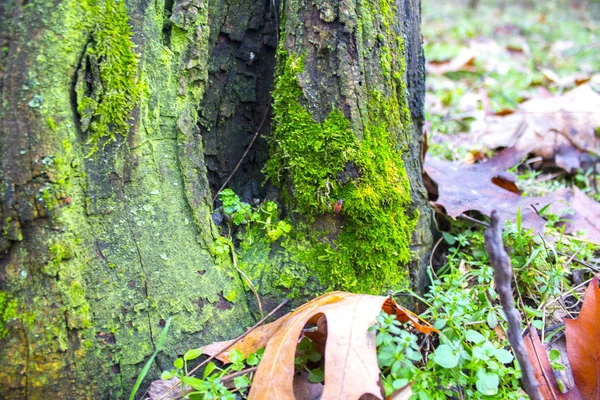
(119, 121)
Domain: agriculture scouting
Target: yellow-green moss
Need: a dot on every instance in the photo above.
(112, 47)
(309, 154)
(8, 311)
(308, 158)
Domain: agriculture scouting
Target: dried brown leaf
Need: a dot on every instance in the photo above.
(306, 390)
(486, 186)
(543, 371)
(583, 343)
(583, 214)
(351, 368)
(483, 187)
(560, 129)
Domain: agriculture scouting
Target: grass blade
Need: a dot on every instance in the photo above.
(146, 368)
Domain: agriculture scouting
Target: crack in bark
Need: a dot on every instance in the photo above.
(73, 91)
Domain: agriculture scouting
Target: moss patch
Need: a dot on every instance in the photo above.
(308, 154)
(112, 67)
(322, 164)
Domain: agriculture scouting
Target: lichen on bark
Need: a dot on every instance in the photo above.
(100, 247)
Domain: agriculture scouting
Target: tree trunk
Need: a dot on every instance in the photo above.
(119, 122)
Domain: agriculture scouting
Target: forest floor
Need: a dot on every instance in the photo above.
(513, 110)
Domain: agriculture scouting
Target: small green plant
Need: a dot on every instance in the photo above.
(266, 215)
(307, 354)
(471, 360)
(212, 385)
(397, 353)
(235, 210)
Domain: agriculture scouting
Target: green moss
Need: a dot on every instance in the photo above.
(8, 311)
(309, 154)
(112, 48)
(277, 267)
(315, 162)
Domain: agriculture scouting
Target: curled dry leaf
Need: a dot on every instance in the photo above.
(560, 129)
(404, 315)
(351, 368)
(483, 187)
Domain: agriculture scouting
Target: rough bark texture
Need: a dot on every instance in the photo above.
(118, 122)
(346, 145)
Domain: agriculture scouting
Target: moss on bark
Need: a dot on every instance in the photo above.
(105, 202)
(342, 128)
(103, 243)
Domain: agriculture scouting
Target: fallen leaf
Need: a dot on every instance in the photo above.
(560, 129)
(404, 315)
(462, 62)
(351, 368)
(159, 389)
(583, 213)
(583, 343)
(543, 371)
(483, 187)
(487, 186)
(306, 390)
(583, 352)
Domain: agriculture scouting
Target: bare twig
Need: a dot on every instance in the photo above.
(432, 254)
(580, 262)
(250, 284)
(502, 276)
(238, 373)
(567, 293)
(228, 345)
(575, 238)
(474, 220)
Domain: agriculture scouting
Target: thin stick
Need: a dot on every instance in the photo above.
(568, 292)
(577, 239)
(228, 345)
(238, 373)
(245, 153)
(580, 262)
(234, 258)
(474, 220)
(502, 276)
(431, 256)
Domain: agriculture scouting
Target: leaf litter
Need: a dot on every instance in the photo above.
(351, 367)
(583, 352)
